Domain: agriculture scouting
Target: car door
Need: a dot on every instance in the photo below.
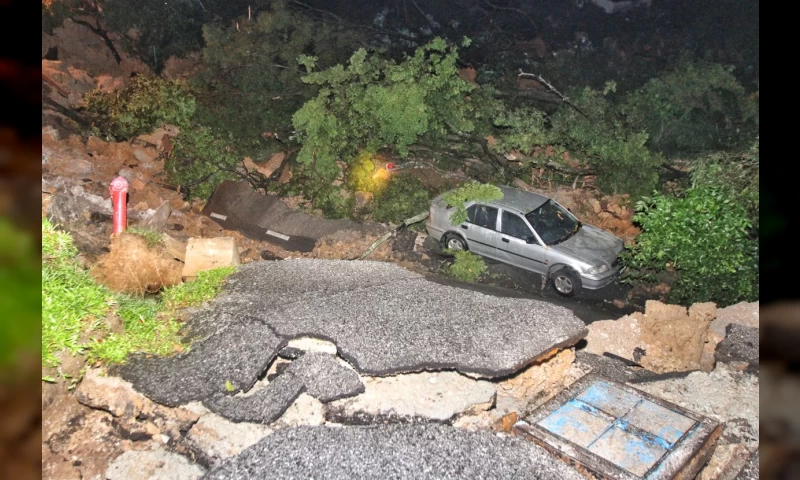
(514, 248)
(480, 230)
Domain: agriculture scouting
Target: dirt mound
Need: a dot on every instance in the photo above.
(350, 244)
(133, 267)
(666, 338)
(675, 337)
(613, 213)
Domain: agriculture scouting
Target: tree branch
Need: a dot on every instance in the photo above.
(553, 89)
(98, 30)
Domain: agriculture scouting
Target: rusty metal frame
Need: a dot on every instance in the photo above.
(683, 460)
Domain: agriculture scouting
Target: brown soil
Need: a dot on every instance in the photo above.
(133, 267)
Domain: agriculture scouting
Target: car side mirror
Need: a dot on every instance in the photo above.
(531, 240)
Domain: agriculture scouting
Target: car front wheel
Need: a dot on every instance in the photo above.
(454, 242)
(565, 282)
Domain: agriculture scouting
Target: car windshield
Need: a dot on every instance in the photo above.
(553, 223)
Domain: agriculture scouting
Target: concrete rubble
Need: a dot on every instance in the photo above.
(213, 438)
(427, 396)
(151, 465)
(209, 253)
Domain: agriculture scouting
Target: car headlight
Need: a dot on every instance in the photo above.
(599, 269)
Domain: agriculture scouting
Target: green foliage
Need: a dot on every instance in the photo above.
(151, 237)
(737, 173)
(704, 236)
(20, 302)
(521, 129)
(374, 102)
(201, 160)
(473, 191)
(467, 266)
(619, 155)
(145, 104)
(360, 175)
(250, 78)
(205, 287)
(695, 107)
(403, 197)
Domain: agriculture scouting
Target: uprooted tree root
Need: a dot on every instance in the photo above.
(133, 267)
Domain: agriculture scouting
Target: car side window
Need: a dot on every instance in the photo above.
(514, 225)
(482, 216)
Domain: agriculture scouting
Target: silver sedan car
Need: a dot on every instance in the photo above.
(532, 232)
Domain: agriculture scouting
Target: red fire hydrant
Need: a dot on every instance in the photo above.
(119, 198)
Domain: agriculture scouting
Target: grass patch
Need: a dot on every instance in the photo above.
(151, 237)
(74, 307)
(205, 287)
(71, 302)
(147, 329)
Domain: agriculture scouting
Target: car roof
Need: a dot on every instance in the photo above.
(519, 200)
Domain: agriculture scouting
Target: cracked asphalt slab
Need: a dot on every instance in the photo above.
(387, 320)
(317, 374)
(389, 452)
(384, 320)
(238, 353)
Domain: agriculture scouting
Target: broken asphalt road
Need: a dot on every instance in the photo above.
(384, 320)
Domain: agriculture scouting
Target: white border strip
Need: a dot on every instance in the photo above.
(279, 235)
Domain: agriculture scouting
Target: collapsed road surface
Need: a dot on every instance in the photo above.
(236, 206)
(382, 318)
(392, 451)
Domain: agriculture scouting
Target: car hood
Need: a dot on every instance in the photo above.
(592, 245)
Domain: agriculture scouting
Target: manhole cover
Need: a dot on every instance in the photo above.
(610, 430)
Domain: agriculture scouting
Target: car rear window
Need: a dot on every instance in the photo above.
(482, 216)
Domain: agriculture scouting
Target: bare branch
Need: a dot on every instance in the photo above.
(553, 89)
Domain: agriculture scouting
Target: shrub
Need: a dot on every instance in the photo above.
(695, 107)
(403, 197)
(600, 135)
(737, 173)
(201, 160)
(144, 105)
(702, 235)
(467, 266)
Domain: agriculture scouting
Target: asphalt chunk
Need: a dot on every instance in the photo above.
(317, 374)
(324, 377)
(264, 406)
(740, 344)
(234, 357)
(389, 452)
